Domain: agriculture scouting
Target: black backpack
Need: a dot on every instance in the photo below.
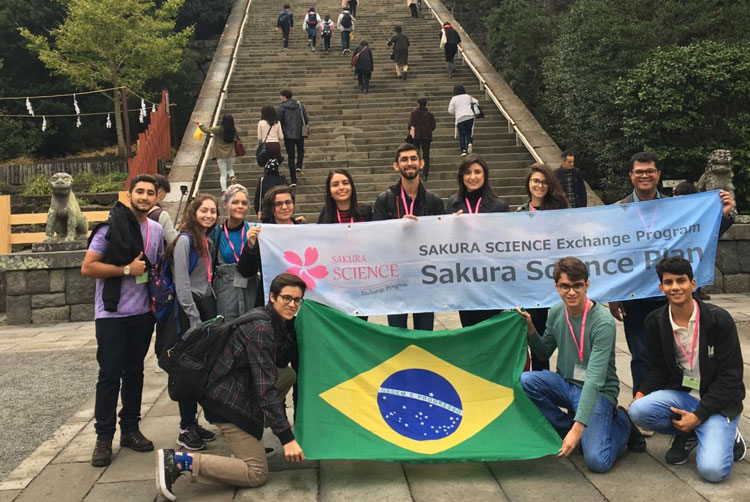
(190, 361)
(346, 21)
(284, 19)
(312, 20)
(327, 28)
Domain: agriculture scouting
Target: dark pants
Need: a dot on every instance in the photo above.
(353, 7)
(414, 11)
(285, 35)
(424, 145)
(423, 320)
(295, 156)
(345, 39)
(539, 319)
(464, 134)
(326, 41)
(122, 344)
(364, 81)
(635, 334)
(472, 317)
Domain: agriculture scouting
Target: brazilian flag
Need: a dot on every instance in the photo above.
(379, 393)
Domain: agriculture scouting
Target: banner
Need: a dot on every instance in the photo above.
(490, 261)
(378, 393)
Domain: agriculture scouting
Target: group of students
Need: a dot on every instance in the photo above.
(324, 27)
(695, 395)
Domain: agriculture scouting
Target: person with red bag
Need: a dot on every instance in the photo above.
(223, 149)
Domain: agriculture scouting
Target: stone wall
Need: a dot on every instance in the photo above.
(47, 288)
(732, 270)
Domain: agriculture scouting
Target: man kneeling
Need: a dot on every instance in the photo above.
(585, 383)
(695, 387)
(246, 388)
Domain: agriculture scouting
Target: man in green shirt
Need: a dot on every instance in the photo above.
(585, 383)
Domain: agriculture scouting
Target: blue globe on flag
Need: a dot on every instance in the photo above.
(420, 404)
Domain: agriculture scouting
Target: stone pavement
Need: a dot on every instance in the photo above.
(60, 466)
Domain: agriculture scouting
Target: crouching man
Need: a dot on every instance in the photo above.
(695, 388)
(239, 405)
(585, 383)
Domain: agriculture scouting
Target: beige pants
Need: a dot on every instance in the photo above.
(249, 467)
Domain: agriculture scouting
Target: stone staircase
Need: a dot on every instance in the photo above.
(356, 131)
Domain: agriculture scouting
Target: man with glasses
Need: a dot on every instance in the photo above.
(246, 389)
(585, 383)
(408, 199)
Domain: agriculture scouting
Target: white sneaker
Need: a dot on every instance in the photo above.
(470, 148)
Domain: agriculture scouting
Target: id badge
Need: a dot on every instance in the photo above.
(239, 281)
(691, 382)
(579, 372)
(141, 279)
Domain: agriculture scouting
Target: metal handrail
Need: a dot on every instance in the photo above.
(220, 104)
(492, 96)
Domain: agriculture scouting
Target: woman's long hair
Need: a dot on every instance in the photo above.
(266, 215)
(229, 131)
(329, 210)
(463, 168)
(268, 113)
(191, 226)
(555, 198)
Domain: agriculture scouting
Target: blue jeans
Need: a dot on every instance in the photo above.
(423, 321)
(464, 134)
(635, 334)
(312, 34)
(715, 435)
(345, 39)
(608, 430)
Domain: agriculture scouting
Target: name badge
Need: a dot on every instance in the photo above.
(579, 372)
(141, 279)
(239, 281)
(690, 382)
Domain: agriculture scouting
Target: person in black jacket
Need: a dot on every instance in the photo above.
(450, 40)
(271, 178)
(475, 195)
(363, 65)
(408, 199)
(695, 388)
(571, 180)
(341, 200)
(421, 125)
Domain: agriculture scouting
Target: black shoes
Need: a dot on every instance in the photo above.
(102, 455)
(740, 449)
(135, 441)
(679, 450)
(166, 473)
(190, 439)
(636, 441)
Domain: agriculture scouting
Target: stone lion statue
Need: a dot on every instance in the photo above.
(65, 222)
(718, 173)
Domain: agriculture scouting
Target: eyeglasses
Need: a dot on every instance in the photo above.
(283, 203)
(537, 182)
(287, 299)
(565, 287)
(645, 172)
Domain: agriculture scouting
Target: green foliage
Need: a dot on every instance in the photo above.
(82, 182)
(208, 16)
(112, 182)
(37, 185)
(16, 138)
(684, 102)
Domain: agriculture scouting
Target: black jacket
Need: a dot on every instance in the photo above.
(125, 242)
(364, 62)
(486, 206)
(722, 389)
(365, 211)
(267, 182)
(579, 186)
(290, 115)
(388, 205)
(423, 122)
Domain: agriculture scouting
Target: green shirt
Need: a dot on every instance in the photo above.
(598, 354)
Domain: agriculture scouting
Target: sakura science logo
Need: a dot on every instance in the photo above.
(305, 270)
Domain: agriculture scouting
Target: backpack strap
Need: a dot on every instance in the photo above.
(193, 259)
(257, 314)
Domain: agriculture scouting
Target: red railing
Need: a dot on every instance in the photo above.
(154, 144)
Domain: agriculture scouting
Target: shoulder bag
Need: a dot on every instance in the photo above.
(239, 147)
(261, 155)
(305, 127)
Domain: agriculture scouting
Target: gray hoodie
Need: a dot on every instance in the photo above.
(291, 118)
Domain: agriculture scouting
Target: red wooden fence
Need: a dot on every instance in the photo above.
(154, 144)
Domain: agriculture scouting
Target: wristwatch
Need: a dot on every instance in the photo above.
(126, 270)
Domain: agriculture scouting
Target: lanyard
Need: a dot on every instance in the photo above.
(207, 261)
(695, 337)
(468, 206)
(409, 209)
(231, 246)
(148, 232)
(583, 328)
(531, 208)
(338, 214)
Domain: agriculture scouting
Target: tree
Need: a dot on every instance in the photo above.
(115, 43)
(208, 16)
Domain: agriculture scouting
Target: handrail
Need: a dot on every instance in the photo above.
(492, 96)
(220, 104)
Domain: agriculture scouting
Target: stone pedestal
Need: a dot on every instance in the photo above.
(49, 246)
(47, 287)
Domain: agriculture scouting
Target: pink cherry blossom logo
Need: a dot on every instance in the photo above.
(306, 271)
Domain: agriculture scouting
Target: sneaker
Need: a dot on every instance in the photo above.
(470, 148)
(646, 432)
(740, 449)
(343, 52)
(293, 185)
(206, 435)
(679, 450)
(102, 455)
(135, 441)
(299, 171)
(463, 154)
(406, 74)
(166, 473)
(309, 42)
(313, 49)
(286, 48)
(232, 180)
(636, 441)
(190, 439)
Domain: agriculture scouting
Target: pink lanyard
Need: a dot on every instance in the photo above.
(338, 214)
(695, 337)
(409, 209)
(207, 261)
(531, 208)
(468, 206)
(583, 328)
(231, 246)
